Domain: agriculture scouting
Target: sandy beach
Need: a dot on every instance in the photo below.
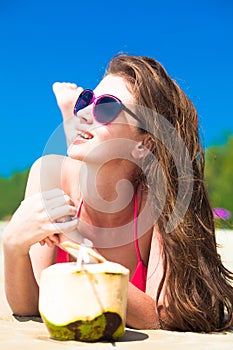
(34, 335)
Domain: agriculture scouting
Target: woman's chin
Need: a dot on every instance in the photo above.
(72, 152)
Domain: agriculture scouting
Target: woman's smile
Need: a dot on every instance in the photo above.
(82, 135)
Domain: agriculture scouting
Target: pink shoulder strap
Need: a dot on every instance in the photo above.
(79, 208)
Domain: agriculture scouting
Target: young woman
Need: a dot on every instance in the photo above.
(133, 184)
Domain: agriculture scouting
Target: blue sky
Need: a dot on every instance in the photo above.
(47, 41)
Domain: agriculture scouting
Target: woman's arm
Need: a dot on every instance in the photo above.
(141, 313)
(33, 222)
(20, 285)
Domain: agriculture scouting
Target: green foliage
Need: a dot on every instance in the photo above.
(219, 178)
(12, 193)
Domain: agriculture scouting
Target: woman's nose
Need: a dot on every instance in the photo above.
(85, 115)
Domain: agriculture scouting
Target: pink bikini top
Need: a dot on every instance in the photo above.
(139, 276)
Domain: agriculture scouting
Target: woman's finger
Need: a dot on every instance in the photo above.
(49, 242)
(65, 211)
(55, 238)
(58, 202)
(54, 193)
(50, 228)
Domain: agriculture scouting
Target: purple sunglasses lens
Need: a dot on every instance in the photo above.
(106, 109)
(84, 100)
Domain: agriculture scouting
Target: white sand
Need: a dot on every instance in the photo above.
(224, 239)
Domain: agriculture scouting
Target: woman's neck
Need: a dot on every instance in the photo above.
(107, 194)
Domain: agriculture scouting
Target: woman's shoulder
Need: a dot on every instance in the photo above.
(47, 166)
(53, 162)
(48, 161)
(51, 171)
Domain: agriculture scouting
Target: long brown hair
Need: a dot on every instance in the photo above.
(198, 290)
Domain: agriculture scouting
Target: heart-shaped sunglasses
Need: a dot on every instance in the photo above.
(105, 107)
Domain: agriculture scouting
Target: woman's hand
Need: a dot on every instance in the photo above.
(40, 218)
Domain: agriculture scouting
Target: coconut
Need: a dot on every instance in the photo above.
(85, 302)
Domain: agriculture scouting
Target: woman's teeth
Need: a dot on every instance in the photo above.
(84, 135)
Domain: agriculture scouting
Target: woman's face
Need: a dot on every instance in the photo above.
(95, 142)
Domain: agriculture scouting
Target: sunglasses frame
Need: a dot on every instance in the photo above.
(94, 100)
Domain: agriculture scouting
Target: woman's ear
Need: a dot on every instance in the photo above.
(140, 151)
